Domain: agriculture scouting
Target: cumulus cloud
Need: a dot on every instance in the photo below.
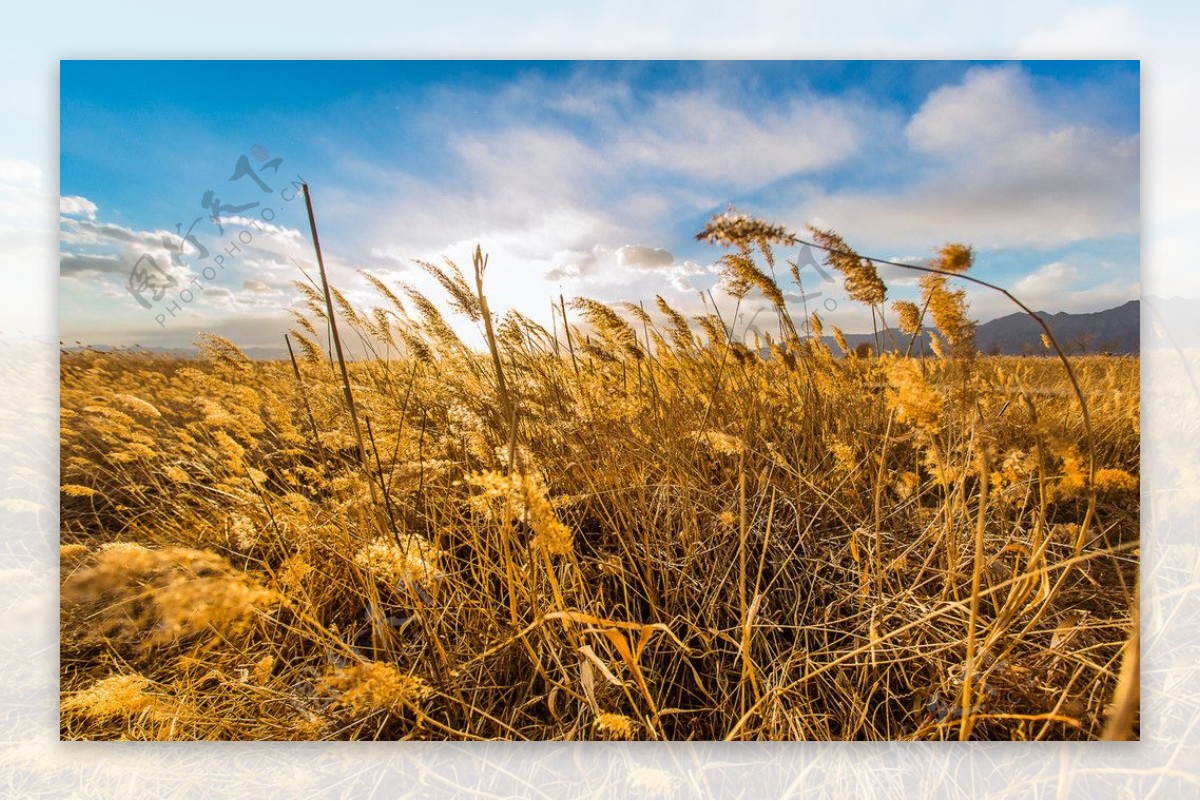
(1054, 287)
(680, 275)
(1047, 281)
(1060, 286)
(990, 107)
(602, 268)
(76, 206)
(645, 258)
(1001, 171)
(580, 263)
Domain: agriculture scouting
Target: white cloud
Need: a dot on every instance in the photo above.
(253, 278)
(899, 277)
(88, 233)
(579, 263)
(555, 204)
(1047, 281)
(644, 258)
(258, 287)
(997, 166)
(528, 160)
(987, 109)
(529, 196)
(281, 233)
(681, 274)
(84, 264)
(704, 135)
(557, 201)
(1054, 287)
(1002, 172)
(76, 206)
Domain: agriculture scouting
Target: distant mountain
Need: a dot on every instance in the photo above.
(1170, 322)
(1116, 330)
(183, 353)
(257, 353)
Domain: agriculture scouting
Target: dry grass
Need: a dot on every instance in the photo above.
(629, 531)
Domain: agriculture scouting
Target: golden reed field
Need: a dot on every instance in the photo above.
(630, 527)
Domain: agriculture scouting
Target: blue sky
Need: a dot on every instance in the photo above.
(586, 178)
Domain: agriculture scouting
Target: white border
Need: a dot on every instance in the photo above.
(34, 764)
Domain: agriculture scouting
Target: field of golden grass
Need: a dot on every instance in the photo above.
(629, 527)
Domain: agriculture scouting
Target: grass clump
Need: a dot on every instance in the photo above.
(631, 527)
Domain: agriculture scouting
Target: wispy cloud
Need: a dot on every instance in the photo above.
(1001, 170)
(78, 264)
(705, 136)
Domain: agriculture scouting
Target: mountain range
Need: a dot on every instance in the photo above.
(1116, 331)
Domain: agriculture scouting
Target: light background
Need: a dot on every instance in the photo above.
(34, 764)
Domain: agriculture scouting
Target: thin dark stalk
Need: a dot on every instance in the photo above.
(337, 340)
